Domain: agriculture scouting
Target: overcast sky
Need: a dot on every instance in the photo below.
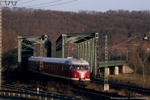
(91, 5)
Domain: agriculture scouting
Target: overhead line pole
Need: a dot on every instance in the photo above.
(106, 85)
(6, 3)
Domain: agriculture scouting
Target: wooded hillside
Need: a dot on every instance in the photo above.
(118, 24)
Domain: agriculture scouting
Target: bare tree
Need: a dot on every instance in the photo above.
(139, 60)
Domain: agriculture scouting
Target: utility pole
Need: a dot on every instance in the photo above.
(6, 3)
(106, 85)
(41, 54)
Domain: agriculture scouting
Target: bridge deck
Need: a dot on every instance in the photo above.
(112, 63)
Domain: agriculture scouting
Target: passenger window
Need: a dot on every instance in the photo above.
(72, 67)
(62, 68)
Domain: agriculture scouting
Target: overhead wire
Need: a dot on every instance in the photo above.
(125, 41)
(61, 3)
(26, 2)
(45, 3)
(56, 4)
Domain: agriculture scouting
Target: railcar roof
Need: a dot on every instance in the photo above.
(60, 60)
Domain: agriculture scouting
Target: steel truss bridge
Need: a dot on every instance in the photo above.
(86, 45)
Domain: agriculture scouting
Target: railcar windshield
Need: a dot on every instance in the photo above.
(80, 67)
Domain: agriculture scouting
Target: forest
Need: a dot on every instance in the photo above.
(120, 25)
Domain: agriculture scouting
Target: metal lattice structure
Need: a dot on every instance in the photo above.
(26, 48)
(86, 45)
(106, 61)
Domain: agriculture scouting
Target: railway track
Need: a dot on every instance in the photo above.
(87, 94)
(41, 91)
(97, 95)
(135, 89)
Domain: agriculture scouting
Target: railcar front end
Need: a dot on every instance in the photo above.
(80, 74)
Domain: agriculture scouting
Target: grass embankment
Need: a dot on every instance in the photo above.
(132, 79)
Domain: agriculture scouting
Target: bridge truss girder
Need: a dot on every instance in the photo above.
(26, 47)
(87, 47)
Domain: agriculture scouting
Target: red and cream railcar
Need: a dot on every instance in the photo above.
(76, 71)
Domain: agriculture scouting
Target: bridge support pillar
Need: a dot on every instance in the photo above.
(123, 68)
(126, 69)
(106, 87)
(116, 70)
(107, 71)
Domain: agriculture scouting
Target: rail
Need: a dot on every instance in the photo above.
(41, 95)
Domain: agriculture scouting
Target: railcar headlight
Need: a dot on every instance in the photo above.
(88, 75)
(75, 75)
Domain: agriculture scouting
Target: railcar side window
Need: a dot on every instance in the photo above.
(62, 68)
(72, 67)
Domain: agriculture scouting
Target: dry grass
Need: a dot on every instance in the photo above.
(132, 79)
(95, 86)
